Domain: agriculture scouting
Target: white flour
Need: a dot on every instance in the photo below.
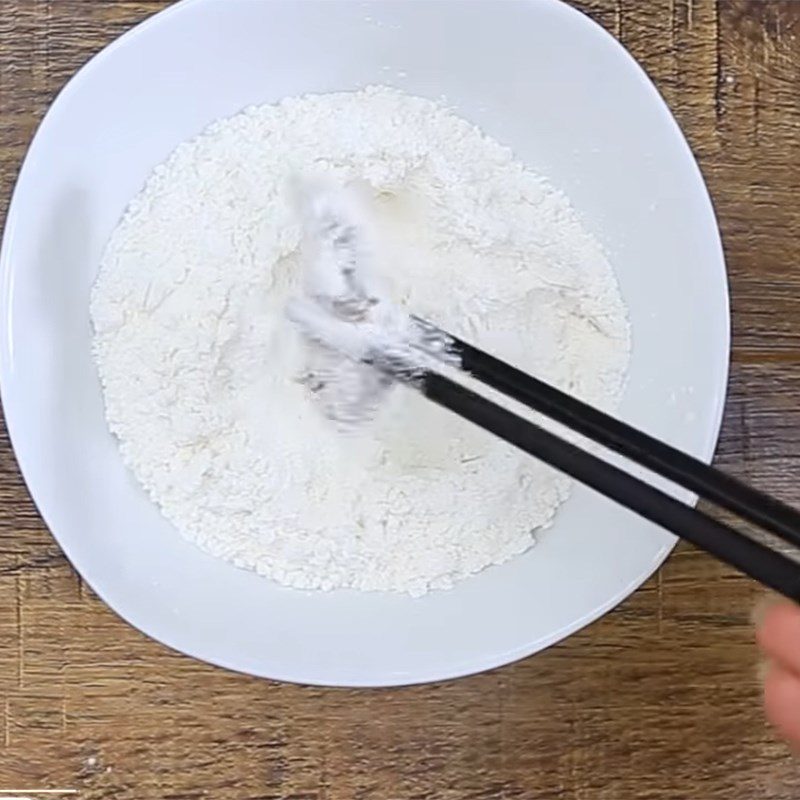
(202, 374)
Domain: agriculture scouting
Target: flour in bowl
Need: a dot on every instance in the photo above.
(202, 375)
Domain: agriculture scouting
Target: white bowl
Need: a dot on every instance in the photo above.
(536, 75)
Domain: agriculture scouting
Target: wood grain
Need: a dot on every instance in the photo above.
(658, 700)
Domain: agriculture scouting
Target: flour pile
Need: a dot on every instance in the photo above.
(203, 377)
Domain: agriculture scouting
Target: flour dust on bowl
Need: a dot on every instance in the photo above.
(571, 105)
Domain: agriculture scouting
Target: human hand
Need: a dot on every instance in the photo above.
(778, 634)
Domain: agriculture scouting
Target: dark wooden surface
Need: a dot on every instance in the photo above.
(657, 700)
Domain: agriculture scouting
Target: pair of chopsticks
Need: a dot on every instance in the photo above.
(768, 566)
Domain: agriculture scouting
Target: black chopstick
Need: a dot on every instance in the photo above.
(767, 566)
(653, 454)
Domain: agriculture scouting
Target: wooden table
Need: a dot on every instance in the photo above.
(658, 700)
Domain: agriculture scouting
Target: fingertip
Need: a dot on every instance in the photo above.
(778, 634)
(762, 607)
(782, 703)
